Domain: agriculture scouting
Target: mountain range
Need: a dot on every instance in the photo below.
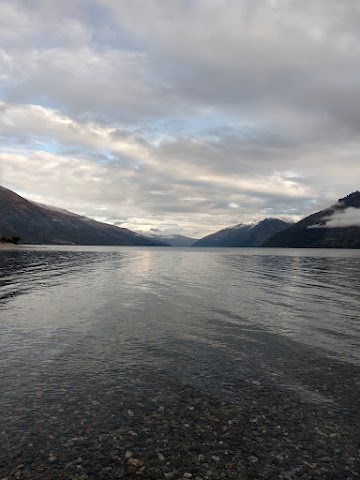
(39, 224)
(174, 240)
(244, 234)
(337, 226)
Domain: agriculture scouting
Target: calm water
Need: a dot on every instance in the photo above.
(70, 317)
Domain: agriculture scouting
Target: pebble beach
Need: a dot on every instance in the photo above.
(153, 427)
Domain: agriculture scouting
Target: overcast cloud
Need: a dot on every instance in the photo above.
(180, 115)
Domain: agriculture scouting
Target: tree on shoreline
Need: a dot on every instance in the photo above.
(14, 239)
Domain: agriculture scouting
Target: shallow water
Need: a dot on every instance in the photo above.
(72, 316)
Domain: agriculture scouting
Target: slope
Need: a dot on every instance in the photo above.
(39, 224)
(337, 226)
(244, 235)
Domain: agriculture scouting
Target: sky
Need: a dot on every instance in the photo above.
(185, 116)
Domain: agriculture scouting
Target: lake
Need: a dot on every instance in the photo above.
(98, 339)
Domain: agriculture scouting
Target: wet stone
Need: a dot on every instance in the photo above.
(179, 431)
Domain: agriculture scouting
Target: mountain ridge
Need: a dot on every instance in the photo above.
(337, 226)
(243, 234)
(38, 224)
(174, 240)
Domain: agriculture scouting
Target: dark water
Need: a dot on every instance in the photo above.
(72, 316)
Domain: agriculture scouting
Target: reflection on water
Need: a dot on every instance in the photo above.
(74, 314)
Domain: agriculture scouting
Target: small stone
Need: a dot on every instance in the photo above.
(161, 457)
(187, 475)
(135, 462)
(128, 455)
(325, 460)
(216, 458)
(131, 413)
(52, 457)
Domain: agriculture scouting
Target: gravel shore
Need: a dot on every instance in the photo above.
(148, 425)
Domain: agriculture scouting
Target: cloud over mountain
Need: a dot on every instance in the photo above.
(343, 218)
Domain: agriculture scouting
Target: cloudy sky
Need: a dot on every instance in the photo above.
(182, 115)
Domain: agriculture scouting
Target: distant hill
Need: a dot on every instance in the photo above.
(174, 240)
(40, 224)
(244, 235)
(337, 226)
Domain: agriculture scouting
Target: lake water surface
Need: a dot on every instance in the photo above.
(75, 320)
(191, 310)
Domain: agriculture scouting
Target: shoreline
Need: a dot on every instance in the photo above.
(7, 246)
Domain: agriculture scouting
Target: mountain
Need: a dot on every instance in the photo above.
(40, 224)
(244, 234)
(337, 226)
(175, 240)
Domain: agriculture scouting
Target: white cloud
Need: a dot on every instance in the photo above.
(349, 217)
(180, 113)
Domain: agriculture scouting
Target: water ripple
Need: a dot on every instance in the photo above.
(103, 311)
